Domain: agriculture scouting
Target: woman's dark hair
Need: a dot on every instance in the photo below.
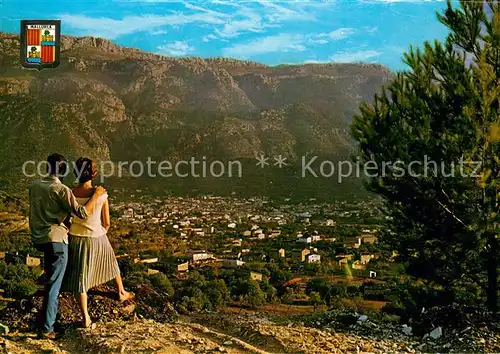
(85, 170)
(57, 165)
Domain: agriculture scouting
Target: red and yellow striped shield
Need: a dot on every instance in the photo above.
(48, 54)
(40, 44)
(33, 37)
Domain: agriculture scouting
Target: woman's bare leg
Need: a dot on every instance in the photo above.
(82, 301)
(124, 295)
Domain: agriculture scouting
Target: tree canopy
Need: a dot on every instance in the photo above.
(433, 135)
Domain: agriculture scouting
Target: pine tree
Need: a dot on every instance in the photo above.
(445, 109)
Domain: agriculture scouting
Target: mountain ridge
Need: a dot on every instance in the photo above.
(114, 103)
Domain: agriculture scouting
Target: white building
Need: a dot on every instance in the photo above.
(330, 222)
(146, 260)
(305, 239)
(202, 256)
(313, 258)
(209, 230)
(232, 263)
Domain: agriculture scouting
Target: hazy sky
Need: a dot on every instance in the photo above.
(271, 32)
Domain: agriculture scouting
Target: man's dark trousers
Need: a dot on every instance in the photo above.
(55, 261)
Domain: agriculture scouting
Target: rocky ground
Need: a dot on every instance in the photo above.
(140, 328)
(246, 334)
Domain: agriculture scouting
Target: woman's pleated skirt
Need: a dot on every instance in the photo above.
(91, 262)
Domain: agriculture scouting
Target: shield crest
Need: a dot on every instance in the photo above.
(40, 43)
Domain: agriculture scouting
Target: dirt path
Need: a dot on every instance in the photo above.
(133, 337)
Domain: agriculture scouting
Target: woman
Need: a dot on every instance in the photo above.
(91, 260)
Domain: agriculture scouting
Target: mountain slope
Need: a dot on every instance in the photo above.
(120, 104)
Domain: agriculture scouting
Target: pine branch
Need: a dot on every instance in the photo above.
(442, 205)
(451, 213)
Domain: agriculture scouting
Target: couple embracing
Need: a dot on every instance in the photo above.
(83, 260)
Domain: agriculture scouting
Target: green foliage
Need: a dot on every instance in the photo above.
(127, 266)
(161, 283)
(289, 296)
(315, 298)
(443, 216)
(197, 293)
(218, 293)
(16, 241)
(330, 293)
(254, 297)
(270, 291)
(18, 280)
(278, 276)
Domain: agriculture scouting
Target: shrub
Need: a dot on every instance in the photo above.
(161, 282)
(315, 298)
(26, 288)
(18, 280)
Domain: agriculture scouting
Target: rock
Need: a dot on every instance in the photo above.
(393, 318)
(436, 333)
(129, 309)
(407, 330)
(362, 318)
(228, 343)
(421, 347)
(3, 329)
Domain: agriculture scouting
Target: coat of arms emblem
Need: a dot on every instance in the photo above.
(40, 43)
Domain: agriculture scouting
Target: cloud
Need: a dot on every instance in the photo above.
(252, 19)
(269, 44)
(341, 33)
(285, 42)
(396, 1)
(324, 38)
(251, 22)
(277, 14)
(158, 32)
(177, 49)
(113, 28)
(352, 57)
(317, 41)
(227, 3)
(316, 61)
(230, 21)
(208, 38)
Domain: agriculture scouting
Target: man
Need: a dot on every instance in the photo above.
(51, 203)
